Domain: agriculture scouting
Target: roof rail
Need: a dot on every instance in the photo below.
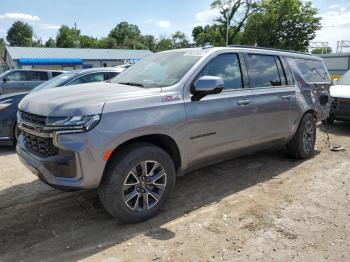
(269, 48)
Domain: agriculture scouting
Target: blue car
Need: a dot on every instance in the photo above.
(9, 103)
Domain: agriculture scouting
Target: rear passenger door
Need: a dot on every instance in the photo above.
(271, 96)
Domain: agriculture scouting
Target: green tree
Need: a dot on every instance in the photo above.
(88, 42)
(327, 50)
(233, 15)
(67, 37)
(126, 35)
(2, 49)
(213, 34)
(179, 40)
(20, 34)
(164, 44)
(286, 24)
(50, 42)
(107, 43)
(150, 42)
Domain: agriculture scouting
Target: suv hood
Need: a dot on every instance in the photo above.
(85, 99)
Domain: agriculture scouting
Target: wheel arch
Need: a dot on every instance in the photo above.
(167, 143)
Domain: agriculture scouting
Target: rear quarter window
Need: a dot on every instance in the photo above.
(311, 70)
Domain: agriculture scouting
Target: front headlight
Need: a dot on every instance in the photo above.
(84, 123)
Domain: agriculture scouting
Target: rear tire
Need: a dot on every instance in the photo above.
(137, 182)
(302, 146)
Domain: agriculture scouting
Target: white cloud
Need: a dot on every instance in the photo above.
(335, 26)
(334, 6)
(163, 23)
(20, 16)
(149, 21)
(49, 26)
(206, 17)
(336, 19)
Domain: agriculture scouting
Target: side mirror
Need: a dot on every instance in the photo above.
(207, 85)
(4, 80)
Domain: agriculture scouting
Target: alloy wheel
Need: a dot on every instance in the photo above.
(308, 136)
(144, 185)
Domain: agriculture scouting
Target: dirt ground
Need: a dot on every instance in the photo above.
(264, 207)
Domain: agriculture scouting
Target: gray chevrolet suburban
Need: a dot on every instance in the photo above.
(171, 113)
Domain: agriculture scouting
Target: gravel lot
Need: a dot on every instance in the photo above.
(264, 207)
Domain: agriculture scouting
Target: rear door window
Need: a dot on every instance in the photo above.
(94, 77)
(54, 74)
(227, 67)
(265, 71)
(109, 75)
(37, 76)
(311, 70)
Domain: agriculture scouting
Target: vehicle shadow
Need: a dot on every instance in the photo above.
(339, 128)
(73, 226)
(7, 150)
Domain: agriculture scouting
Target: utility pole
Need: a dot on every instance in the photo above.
(227, 29)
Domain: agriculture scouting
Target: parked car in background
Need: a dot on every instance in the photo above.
(22, 80)
(340, 94)
(9, 103)
(168, 114)
(121, 68)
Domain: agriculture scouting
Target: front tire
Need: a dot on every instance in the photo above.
(302, 146)
(137, 182)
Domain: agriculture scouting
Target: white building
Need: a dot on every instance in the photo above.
(69, 58)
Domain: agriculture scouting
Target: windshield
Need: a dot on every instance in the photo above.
(56, 81)
(158, 70)
(345, 79)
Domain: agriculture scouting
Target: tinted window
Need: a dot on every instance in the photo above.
(17, 76)
(37, 76)
(54, 74)
(312, 71)
(95, 77)
(263, 71)
(227, 67)
(109, 75)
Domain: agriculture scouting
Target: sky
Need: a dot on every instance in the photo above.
(157, 17)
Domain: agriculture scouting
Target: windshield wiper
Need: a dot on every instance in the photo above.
(131, 84)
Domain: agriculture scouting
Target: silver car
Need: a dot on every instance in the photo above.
(23, 80)
(168, 114)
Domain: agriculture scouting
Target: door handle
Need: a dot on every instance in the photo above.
(243, 102)
(289, 97)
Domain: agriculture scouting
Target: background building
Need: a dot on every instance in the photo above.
(69, 58)
(337, 63)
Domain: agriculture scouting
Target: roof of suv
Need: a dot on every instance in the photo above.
(210, 49)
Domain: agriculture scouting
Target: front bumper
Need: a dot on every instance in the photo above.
(62, 170)
(77, 165)
(340, 109)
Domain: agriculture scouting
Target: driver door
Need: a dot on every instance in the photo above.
(217, 124)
